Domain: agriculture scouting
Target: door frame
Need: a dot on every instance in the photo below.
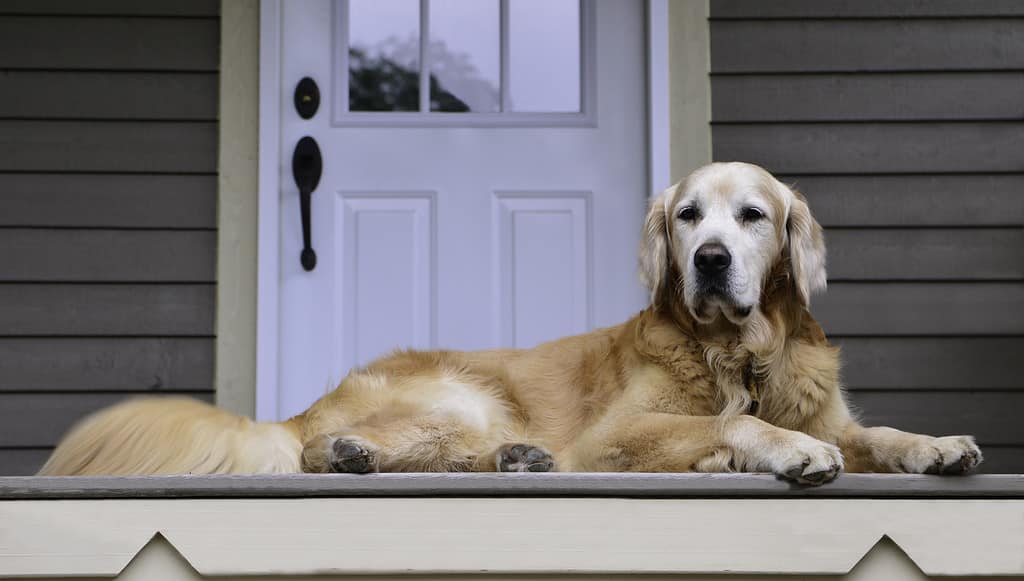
(270, 168)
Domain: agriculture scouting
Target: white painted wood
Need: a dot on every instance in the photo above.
(469, 171)
(458, 535)
(237, 215)
(585, 117)
(689, 53)
(658, 103)
(542, 252)
(160, 561)
(268, 215)
(384, 245)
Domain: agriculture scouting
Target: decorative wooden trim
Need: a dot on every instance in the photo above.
(563, 485)
(301, 536)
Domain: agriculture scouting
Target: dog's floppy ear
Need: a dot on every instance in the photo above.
(654, 258)
(806, 249)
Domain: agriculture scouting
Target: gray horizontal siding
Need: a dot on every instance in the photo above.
(109, 43)
(108, 95)
(185, 8)
(105, 364)
(914, 200)
(108, 201)
(874, 148)
(758, 9)
(926, 254)
(1002, 459)
(25, 426)
(98, 146)
(921, 308)
(108, 193)
(991, 416)
(923, 363)
(902, 124)
(22, 461)
(780, 46)
(107, 309)
(868, 97)
(39, 255)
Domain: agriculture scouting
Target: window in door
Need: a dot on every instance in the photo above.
(463, 62)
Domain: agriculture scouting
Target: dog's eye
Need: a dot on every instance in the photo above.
(688, 214)
(751, 214)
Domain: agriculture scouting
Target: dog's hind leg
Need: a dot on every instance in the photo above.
(422, 444)
(434, 421)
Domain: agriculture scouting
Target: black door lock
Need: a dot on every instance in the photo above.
(307, 165)
(307, 98)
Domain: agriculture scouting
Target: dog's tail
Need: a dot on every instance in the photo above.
(174, 436)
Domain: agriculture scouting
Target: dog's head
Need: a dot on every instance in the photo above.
(713, 240)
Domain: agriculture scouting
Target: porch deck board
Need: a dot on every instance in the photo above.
(509, 485)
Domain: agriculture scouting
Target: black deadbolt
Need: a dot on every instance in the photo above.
(307, 98)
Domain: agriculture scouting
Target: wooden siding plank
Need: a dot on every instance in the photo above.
(747, 46)
(109, 43)
(926, 254)
(40, 419)
(755, 9)
(22, 461)
(1002, 460)
(853, 148)
(105, 364)
(964, 200)
(941, 309)
(913, 363)
(871, 97)
(33, 255)
(113, 309)
(193, 8)
(992, 417)
(108, 200)
(108, 95)
(122, 147)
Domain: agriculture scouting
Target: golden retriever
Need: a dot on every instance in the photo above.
(725, 371)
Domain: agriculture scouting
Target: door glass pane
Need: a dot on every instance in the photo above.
(384, 55)
(544, 55)
(465, 58)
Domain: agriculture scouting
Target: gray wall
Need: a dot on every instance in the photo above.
(108, 151)
(902, 123)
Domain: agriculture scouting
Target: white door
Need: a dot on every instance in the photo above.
(501, 207)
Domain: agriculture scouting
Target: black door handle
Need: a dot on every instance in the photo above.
(307, 165)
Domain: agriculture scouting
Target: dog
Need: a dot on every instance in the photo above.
(725, 371)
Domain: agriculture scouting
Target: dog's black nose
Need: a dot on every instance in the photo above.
(712, 258)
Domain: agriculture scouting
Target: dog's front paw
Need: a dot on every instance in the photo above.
(524, 458)
(808, 461)
(949, 455)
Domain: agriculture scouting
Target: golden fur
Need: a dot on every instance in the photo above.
(668, 390)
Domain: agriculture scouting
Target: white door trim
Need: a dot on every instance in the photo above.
(268, 269)
(270, 167)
